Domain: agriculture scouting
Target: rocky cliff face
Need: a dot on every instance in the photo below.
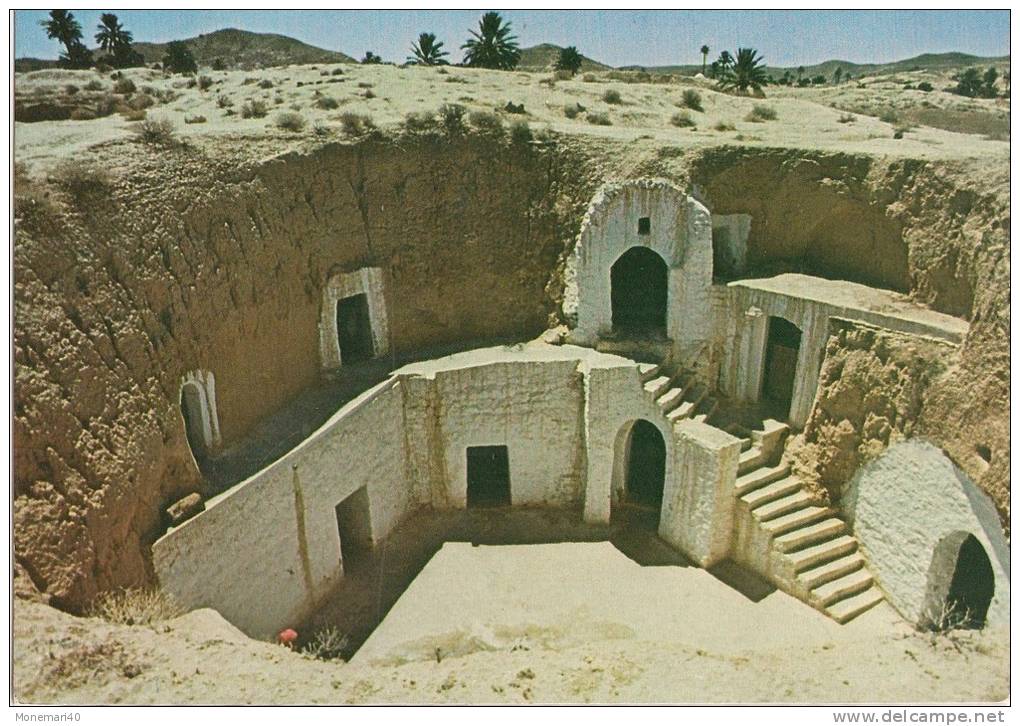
(183, 260)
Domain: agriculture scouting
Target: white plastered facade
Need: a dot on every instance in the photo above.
(369, 281)
(907, 502)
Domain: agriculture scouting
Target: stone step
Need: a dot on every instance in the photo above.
(707, 409)
(826, 551)
(796, 519)
(657, 386)
(798, 539)
(846, 610)
(648, 371)
(797, 500)
(777, 489)
(843, 587)
(684, 410)
(760, 477)
(745, 443)
(829, 571)
(670, 399)
(751, 459)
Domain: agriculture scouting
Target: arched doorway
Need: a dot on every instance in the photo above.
(645, 466)
(639, 292)
(961, 584)
(193, 412)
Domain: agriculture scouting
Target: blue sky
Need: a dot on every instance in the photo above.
(657, 37)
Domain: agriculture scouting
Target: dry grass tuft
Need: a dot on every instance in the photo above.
(135, 606)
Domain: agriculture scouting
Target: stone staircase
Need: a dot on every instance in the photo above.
(677, 395)
(781, 532)
(803, 548)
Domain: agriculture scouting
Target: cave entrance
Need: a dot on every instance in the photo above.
(781, 351)
(488, 476)
(961, 584)
(639, 292)
(354, 329)
(354, 523)
(645, 466)
(193, 412)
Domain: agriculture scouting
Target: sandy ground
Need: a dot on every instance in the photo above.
(806, 118)
(549, 623)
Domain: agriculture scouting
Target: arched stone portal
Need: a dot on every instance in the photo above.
(639, 293)
(961, 584)
(198, 410)
(640, 466)
(626, 222)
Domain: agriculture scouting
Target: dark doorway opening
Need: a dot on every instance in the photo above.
(972, 586)
(646, 466)
(354, 523)
(191, 410)
(354, 329)
(781, 353)
(639, 292)
(488, 476)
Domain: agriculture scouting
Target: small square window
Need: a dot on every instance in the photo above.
(644, 225)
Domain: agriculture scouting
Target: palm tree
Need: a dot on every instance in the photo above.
(63, 27)
(746, 72)
(493, 46)
(569, 60)
(371, 59)
(725, 61)
(704, 58)
(116, 41)
(427, 51)
(178, 58)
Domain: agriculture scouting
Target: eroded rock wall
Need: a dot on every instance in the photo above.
(182, 261)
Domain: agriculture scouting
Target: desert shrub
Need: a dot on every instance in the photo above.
(589, 78)
(321, 129)
(456, 79)
(889, 116)
(328, 643)
(134, 114)
(485, 122)
(290, 121)
(451, 116)
(369, 93)
(83, 114)
(761, 113)
(520, 132)
(158, 132)
(563, 75)
(295, 106)
(70, 89)
(683, 120)
(846, 118)
(124, 86)
(253, 108)
(364, 84)
(197, 119)
(692, 99)
(571, 110)
(338, 72)
(93, 85)
(327, 103)
(80, 178)
(265, 83)
(140, 101)
(204, 83)
(418, 123)
(166, 95)
(134, 607)
(599, 119)
(224, 102)
(724, 126)
(925, 86)
(612, 97)
(355, 124)
(107, 105)
(278, 100)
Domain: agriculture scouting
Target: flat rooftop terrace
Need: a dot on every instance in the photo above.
(859, 302)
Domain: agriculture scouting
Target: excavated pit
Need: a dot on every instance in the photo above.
(200, 282)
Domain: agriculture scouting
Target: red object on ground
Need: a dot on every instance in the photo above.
(287, 637)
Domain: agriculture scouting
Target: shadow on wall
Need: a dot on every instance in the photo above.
(801, 222)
